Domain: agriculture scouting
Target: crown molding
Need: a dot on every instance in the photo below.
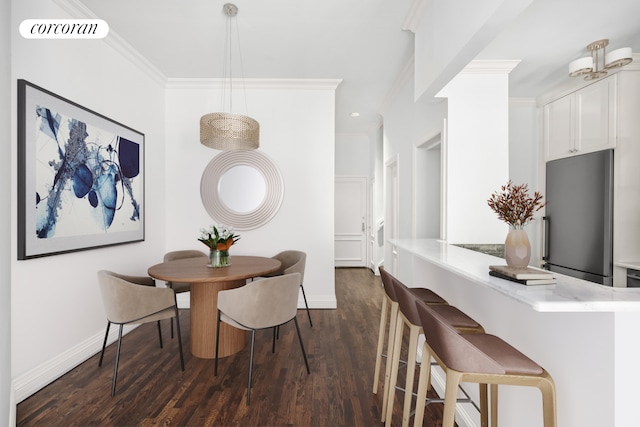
(415, 14)
(501, 66)
(405, 76)
(79, 11)
(254, 84)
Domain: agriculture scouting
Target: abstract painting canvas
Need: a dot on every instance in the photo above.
(80, 180)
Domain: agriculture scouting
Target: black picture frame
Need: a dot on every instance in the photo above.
(80, 177)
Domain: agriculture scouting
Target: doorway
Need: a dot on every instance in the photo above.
(351, 219)
(427, 188)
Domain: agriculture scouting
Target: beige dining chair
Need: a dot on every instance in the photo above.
(179, 287)
(261, 304)
(293, 262)
(483, 359)
(130, 300)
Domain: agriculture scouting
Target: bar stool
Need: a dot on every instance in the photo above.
(408, 315)
(390, 304)
(483, 359)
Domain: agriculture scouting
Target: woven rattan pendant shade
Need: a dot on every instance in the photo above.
(226, 131)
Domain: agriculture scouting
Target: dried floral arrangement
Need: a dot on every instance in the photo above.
(514, 205)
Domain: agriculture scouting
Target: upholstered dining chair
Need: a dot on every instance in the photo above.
(130, 300)
(293, 262)
(178, 287)
(261, 304)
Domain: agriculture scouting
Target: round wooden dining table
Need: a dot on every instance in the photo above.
(206, 282)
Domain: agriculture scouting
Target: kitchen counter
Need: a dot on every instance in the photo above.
(584, 334)
(567, 295)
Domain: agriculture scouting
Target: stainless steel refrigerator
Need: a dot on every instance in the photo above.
(578, 220)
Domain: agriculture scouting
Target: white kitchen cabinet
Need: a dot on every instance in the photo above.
(581, 122)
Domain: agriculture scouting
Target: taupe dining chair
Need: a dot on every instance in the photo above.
(293, 262)
(261, 304)
(130, 300)
(178, 287)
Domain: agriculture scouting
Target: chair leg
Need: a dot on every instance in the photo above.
(493, 390)
(115, 368)
(104, 344)
(306, 305)
(484, 407)
(215, 369)
(393, 323)
(390, 384)
(411, 370)
(175, 298)
(179, 337)
(548, 390)
(381, 333)
(160, 333)
(253, 340)
(450, 398)
(273, 345)
(424, 381)
(304, 354)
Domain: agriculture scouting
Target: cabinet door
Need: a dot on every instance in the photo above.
(595, 109)
(558, 128)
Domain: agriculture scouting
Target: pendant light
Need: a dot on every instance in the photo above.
(227, 130)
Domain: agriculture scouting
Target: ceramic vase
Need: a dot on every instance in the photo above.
(517, 249)
(219, 258)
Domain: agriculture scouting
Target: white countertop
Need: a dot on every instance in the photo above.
(567, 295)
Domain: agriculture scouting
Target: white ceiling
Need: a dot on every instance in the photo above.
(358, 41)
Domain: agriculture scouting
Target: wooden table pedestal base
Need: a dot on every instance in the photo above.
(204, 297)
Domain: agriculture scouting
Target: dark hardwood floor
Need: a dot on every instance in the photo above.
(153, 391)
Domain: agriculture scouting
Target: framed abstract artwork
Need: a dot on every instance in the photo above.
(80, 177)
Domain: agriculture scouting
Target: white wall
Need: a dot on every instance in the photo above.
(477, 155)
(407, 123)
(297, 132)
(7, 408)
(524, 158)
(57, 316)
(353, 153)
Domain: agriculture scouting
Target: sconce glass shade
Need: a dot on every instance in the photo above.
(581, 66)
(227, 131)
(618, 58)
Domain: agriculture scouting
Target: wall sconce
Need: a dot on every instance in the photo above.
(596, 66)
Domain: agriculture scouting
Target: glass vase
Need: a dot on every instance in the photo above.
(219, 258)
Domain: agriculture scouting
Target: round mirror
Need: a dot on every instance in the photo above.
(242, 189)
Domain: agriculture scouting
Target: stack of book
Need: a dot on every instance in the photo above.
(524, 276)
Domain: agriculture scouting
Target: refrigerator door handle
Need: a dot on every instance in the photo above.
(546, 224)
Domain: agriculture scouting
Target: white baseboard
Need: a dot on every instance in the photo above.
(12, 406)
(30, 382)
